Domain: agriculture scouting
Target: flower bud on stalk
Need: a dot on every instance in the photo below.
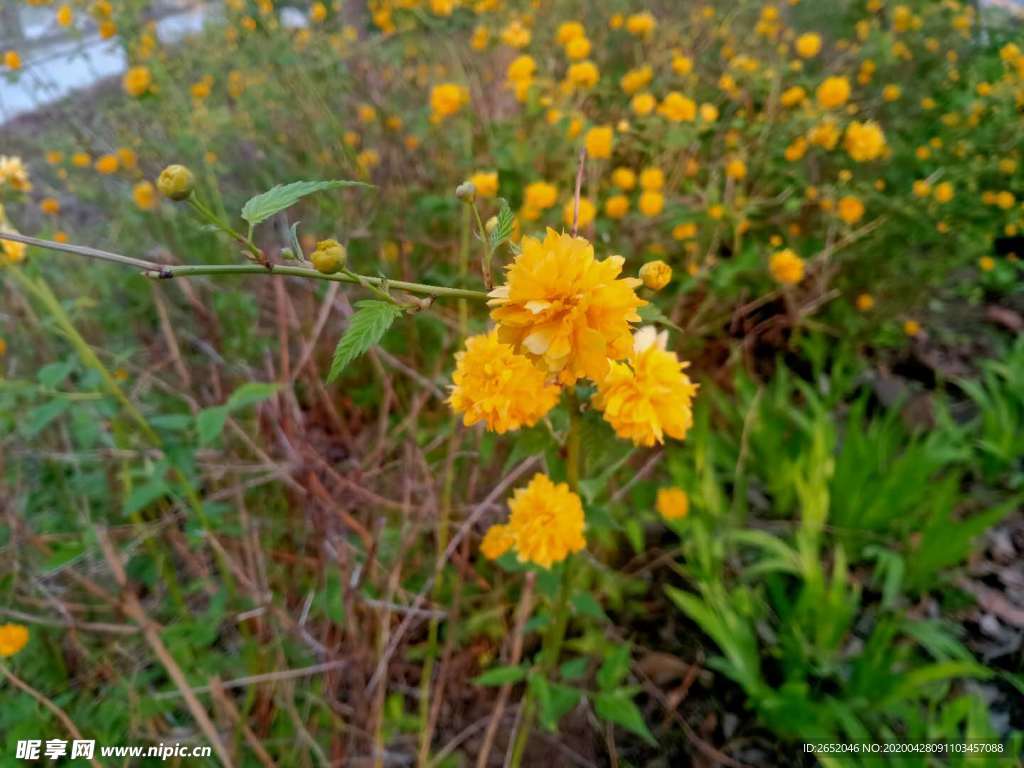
(329, 257)
(466, 192)
(176, 182)
(656, 274)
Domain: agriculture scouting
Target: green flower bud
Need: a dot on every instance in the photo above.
(329, 257)
(491, 224)
(288, 254)
(466, 192)
(176, 182)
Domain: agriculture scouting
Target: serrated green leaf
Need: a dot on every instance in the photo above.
(618, 708)
(366, 328)
(506, 223)
(276, 199)
(501, 676)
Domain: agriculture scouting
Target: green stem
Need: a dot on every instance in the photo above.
(224, 227)
(187, 270)
(551, 649)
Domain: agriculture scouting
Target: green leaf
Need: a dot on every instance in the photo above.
(501, 676)
(553, 700)
(251, 393)
(506, 223)
(144, 495)
(275, 200)
(210, 423)
(618, 708)
(573, 669)
(39, 418)
(366, 328)
(585, 604)
(614, 668)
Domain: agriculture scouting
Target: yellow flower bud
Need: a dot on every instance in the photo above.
(656, 274)
(176, 182)
(329, 257)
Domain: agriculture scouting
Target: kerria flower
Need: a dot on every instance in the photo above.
(447, 99)
(649, 396)
(495, 385)
(11, 251)
(672, 503)
(13, 637)
(14, 173)
(545, 524)
(564, 308)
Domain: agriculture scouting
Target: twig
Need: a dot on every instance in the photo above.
(579, 188)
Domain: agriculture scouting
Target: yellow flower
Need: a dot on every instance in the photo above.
(447, 99)
(891, 92)
(50, 206)
(922, 188)
(568, 31)
(65, 16)
(944, 192)
(865, 302)
(144, 196)
(911, 328)
(485, 182)
(495, 385)
(641, 24)
(736, 169)
(107, 164)
(678, 108)
(12, 251)
(481, 36)
(672, 503)
(497, 541)
(824, 134)
(521, 69)
(655, 274)
(599, 141)
(682, 65)
(786, 267)
(583, 74)
(13, 637)
(516, 35)
(643, 104)
(652, 179)
(12, 60)
(586, 215)
(624, 178)
(136, 81)
(864, 141)
(808, 45)
(833, 92)
(650, 396)
(986, 263)
(651, 203)
(636, 79)
(685, 231)
(851, 209)
(796, 149)
(537, 197)
(545, 524)
(127, 157)
(577, 48)
(317, 13)
(565, 308)
(793, 96)
(14, 173)
(708, 112)
(616, 206)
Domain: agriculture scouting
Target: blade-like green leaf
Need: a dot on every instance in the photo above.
(500, 676)
(618, 708)
(276, 199)
(366, 328)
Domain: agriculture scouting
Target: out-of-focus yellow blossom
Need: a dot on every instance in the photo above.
(13, 637)
(682, 65)
(649, 396)
(516, 35)
(447, 99)
(793, 96)
(616, 206)
(636, 79)
(12, 60)
(568, 31)
(578, 48)
(144, 196)
(911, 328)
(986, 263)
(651, 203)
(655, 274)
(833, 92)
(678, 108)
(736, 169)
(796, 149)
(922, 188)
(563, 307)
(587, 212)
(825, 134)
(685, 231)
(652, 178)
(672, 503)
(865, 302)
(624, 178)
(892, 92)
(137, 81)
(537, 198)
(107, 164)
(944, 192)
(65, 16)
(485, 182)
(14, 174)
(850, 209)
(495, 385)
(583, 74)
(643, 104)
(480, 38)
(708, 112)
(641, 24)
(864, 141)
(808, 45)
(49, 206)
(545, 524)
(599, 141)
(317, 13)
(786, 267)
